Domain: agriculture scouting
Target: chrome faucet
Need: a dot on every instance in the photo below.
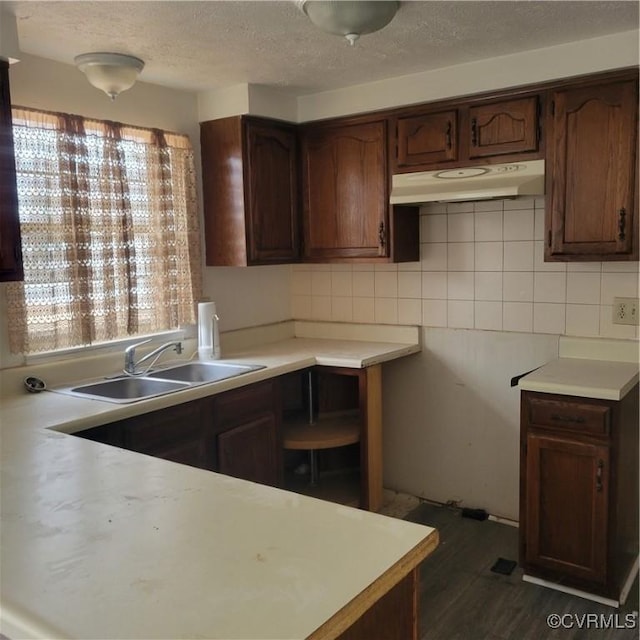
(130, 364)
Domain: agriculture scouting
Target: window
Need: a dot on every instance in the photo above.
(110, 234)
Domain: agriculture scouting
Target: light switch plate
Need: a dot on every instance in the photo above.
(625, 311)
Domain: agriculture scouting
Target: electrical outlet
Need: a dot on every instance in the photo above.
(625, 311)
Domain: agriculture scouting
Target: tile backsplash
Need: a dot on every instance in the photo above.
(481, 267)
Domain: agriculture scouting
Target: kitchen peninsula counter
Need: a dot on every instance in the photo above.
(99, 542)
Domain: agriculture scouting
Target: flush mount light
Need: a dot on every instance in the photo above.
(350, 19)
(110, 72)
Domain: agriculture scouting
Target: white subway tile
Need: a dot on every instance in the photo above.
(321, 283)
(488, 315)
(523, 202)
(460, 227)
(517, 286)
(460, 256)
(320, 267)
(434, 285)
(583, 288)
(433, 208)
(488, 256)
(363, 284)
(518, 225)
(301, 267)
(341, 266)
(615, 285)
(433, 257)
(385, 266)
(362, 266)
(488, 226)
(410, 284)
(591, 267)
(341, 283)
(433, 228)
(409, 311)
(538, 260)
(460, 314)
(434, 313)
(583, 320)
(617, 267)
(488, 286)
(386, 284)
(549, 318)
(321, 307)
(301, 283)
(301, 307)
(487, 205)
(341, 309)
(517, 316)
(539, 203)
(538, 224)
(386, 310)
(460, 207)
(518, 255)
(550, 287)
(363, 310)
(460, 285)
(409, 266)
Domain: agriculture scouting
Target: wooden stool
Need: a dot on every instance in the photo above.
(325, 433)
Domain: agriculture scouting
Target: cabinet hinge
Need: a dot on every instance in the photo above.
(553, 107)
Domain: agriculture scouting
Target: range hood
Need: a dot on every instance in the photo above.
(469, 183)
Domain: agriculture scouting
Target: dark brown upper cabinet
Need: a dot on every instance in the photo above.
(592, 175)
(503, 128)
(10, 246)
(427, 139)
(467, 132)
(346, 213)
(250, 191)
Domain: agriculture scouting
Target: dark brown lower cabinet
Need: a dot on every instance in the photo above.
(235, 432)
(579, 490)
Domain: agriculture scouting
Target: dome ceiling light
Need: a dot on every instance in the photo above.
(113, 73)
(350, 19)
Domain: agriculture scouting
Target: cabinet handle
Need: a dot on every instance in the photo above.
(474, 132)
(448, 135)
(570, 419)
(599, 475)
(622, 223)
(381, 235)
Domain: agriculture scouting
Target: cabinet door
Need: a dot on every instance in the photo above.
(426, 140)
(175, 433)
(345, 191)
(271, 185)
(503, 128)
(10, 247)
(248, 451)
(567, 488)
(592, 191)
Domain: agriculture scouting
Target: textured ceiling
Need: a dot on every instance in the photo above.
(215, 44)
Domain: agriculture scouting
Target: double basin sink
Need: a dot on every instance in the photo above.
(126, 388)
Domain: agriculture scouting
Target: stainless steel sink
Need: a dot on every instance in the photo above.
(203, 372)
(127, 389)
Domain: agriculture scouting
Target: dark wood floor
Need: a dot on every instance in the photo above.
(462, 599)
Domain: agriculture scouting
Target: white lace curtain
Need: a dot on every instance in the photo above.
(110, 234)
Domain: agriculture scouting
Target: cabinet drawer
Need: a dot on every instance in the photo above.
(568, 415)
(235, 407)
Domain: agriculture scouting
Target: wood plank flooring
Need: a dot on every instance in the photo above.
(462, 599)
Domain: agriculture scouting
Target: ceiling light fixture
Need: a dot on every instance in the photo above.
(350, 19)
(113, 73)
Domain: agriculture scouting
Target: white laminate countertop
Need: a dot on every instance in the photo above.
(605, 379)
(99, 542)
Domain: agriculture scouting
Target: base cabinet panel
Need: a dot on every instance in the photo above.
(579, 490)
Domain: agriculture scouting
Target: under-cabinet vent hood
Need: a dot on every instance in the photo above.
(469, 183)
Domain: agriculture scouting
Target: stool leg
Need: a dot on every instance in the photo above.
(313, 463)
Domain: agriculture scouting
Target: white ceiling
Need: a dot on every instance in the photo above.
(214, 44)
